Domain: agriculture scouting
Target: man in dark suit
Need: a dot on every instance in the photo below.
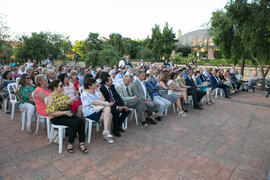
(216, 83)
(196, 93)
(118, 110)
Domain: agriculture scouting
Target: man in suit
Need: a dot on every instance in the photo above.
(139, 90)
(216, 83)
(118, 110)
(131, 101)
(196, 93)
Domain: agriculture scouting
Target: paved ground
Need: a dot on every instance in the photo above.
(228, 140)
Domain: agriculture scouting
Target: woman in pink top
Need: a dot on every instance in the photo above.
(69, 90)
(41, 93)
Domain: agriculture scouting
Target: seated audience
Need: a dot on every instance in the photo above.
(25, 99)
(58, 109)
(119, 110)
(138, 89)
(203, 87)
(216, 83)
(91, 97)
(157, 99)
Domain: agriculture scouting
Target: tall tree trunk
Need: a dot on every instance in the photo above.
(243, 62)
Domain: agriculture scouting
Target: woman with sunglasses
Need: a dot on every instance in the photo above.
(58, 109)
(25, 99)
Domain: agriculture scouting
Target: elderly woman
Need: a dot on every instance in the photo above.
(69, 90)
(41, 93)
(58, 109)
(25, 99)
(93, 97)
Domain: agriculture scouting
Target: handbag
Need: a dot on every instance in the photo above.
(98, 108)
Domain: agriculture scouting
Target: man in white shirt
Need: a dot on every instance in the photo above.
(22, 70)
(138, 89)
(121, 63)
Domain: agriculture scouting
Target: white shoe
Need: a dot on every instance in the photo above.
(183, 114)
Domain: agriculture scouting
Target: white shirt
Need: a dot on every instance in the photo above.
(121, 63)
(144, 88)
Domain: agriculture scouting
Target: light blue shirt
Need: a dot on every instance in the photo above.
(87, 100)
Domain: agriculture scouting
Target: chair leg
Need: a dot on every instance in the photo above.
(38, 118)
(216, 92)
(60, 135)
(48, 126)
(5, 105)
(136, 118)
(86, 126)
(97, 127)
(13, 110)
(23, 120)
(51, 134)
(90, 131)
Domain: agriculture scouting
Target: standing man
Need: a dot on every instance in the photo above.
(110, 94)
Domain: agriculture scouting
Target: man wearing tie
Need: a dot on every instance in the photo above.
(118, 110)
(216, 83)
(131, 101)
(196, 92)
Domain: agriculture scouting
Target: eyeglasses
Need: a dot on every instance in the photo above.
(28, 78)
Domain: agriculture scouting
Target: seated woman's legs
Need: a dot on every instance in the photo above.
(178, 103)
(106, 116)
(79, 111)
(30, 109)
(185, 95)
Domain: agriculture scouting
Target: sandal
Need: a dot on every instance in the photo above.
(108, 137)
(183, 114)
(70, 149)
(83, 149)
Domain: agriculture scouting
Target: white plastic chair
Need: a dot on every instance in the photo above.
(173, 107)
(133, 111)
(88, 126)
(215, 92)
(5, 103)
(39, 117)
(12, 98)
(61, 135)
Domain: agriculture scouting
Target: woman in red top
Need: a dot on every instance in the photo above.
(41, 93)
(74, 80)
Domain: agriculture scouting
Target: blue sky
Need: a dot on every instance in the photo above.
(132, 19)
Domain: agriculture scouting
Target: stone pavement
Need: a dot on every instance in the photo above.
(228, 140)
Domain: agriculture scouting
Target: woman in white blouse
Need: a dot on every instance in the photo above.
(91, 97)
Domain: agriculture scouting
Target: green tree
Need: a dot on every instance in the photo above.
(253, 19)
(5, 47)
(168, 41)
(93, 42)
(155, 43)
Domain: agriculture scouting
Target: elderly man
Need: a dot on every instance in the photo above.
(51, 75)
(138, 89)
(253, 81)
(131, 101)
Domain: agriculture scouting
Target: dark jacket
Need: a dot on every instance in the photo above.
(190, 83)
(116, 96)
(214, 82)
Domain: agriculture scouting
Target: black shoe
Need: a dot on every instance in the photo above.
(185, 110)
(117, 134)
(150, 121)
(121, 130)
(158, 118)
(198, 108)
(144, 122)
(228, 97)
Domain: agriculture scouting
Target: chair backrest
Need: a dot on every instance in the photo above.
(11, 91)
(17, 81)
